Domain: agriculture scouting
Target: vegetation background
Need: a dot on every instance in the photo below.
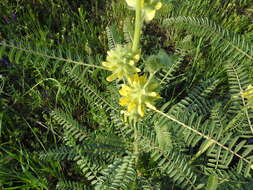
(32, 87)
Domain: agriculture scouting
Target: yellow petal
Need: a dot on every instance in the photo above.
(158, 5)
(131, 107)
(141, 110)
(123, 101)
(106, 64)
(124, 90)
(120, 74)
(131, 3)
(137, 57)
(153, 94)
(112, 77)
(131, 62)
(137, 70)
(149, 14)
(110, 53)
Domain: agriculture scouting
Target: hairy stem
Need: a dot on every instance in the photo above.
(137, 30)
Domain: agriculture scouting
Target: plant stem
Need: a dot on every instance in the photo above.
(136, 150)
(137, 29)
(148, 81)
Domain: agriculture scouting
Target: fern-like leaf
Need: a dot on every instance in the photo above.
(73, 185)
(62, 153)
(111, 41)
(119, 175)
(72, 127)
(89, 91)
(230, 45)
(173, 165)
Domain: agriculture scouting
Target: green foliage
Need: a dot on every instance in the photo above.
(119, 174)
(199, 135)
(23, 170)
(65, 185)
(232, 47)
(71, 127)
(212, 183)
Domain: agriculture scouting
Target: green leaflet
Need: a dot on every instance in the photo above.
(212, 182)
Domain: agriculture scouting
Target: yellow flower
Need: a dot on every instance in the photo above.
(248, 94)
(132, 3)
(138, 94)
(149, 7)
(120, 61)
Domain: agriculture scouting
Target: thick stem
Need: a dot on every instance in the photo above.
(137, 30)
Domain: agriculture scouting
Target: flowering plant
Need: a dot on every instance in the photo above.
(138, 92)
(149, 7)
(120, 61)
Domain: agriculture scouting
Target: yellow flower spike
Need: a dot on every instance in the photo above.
(112, 77)
(149, 7)
(137, 94)
(120, 61)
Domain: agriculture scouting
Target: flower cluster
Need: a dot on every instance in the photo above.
(137, 94)
(149, 7)
(248, 94)
(120, 61)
